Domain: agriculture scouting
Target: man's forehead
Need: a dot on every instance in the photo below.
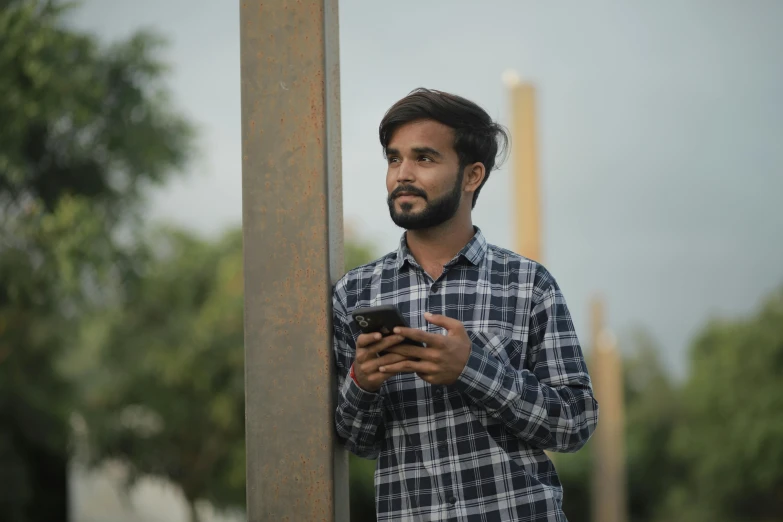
(422, 134)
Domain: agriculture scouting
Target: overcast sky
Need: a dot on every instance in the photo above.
(660, 129)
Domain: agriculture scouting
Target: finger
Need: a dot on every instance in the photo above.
(409, 366)
(373, 340)
(373, 351)
(371, 366)
(365, 340)
(384, 344)
(414, 334)
(389, 358)
(415, 352)
(425, 377)
(444, 322)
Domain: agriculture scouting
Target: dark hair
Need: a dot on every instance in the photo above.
(476, 137)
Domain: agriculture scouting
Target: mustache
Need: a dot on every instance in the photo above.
(409, 189)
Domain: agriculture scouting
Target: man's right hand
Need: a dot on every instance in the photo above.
(367, 361)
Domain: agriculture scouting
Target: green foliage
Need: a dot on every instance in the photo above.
(574, 471)
(730, 437)
(163, 374)
(78, 118)
(357, 253)
(708, 449)
(362, 487)
(652, 410)
(84, 129)
(44, 259)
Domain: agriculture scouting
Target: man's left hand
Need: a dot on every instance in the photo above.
(443, 358)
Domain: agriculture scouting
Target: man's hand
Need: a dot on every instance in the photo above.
(367, 361)
(444, 357)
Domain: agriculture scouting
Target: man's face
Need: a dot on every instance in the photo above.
(423, 180)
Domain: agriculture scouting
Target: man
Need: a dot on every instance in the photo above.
(459, 427)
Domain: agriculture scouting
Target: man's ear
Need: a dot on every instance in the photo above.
(473, 177)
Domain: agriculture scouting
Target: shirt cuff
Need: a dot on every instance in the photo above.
(360, 399)
(483, 375)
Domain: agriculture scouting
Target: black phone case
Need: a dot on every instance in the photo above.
(381, 319)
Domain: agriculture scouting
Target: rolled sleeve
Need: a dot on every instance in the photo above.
(358, 417)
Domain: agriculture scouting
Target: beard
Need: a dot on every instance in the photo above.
(435, 212)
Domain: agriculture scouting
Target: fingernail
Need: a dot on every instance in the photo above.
(382, 369)
(396, 330)
(427, 314)
(377, 336)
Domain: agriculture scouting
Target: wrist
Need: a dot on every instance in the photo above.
(355, 379)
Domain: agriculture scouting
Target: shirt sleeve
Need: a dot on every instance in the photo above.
(549, 402)
(359, 414)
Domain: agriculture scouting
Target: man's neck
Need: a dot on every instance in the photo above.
(434, 247)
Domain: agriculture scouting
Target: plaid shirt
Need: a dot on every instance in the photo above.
(474, 450)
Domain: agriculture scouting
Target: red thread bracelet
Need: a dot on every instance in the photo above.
(353, 376)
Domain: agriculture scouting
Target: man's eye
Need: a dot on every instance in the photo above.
(425, 158)
(393, 160)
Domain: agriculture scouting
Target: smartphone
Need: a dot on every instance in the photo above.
(381, 319)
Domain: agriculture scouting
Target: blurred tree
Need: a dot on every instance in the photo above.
(164, 384)
(730, 436)
(162, 375)
(573, 469)
(44, 258)
(81, 119)
(362, 489)
(84, 130)
(652, 411)
(357, 253)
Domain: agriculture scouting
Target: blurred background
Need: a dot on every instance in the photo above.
(660, 148)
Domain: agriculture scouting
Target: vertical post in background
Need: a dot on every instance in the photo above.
(526, 196)
(292, 225)
(609, 479)
(525, 168)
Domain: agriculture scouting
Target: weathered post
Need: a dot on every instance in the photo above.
(608, 478)
(524, 156)
(292, 222)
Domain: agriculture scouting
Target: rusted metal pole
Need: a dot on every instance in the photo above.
(292, 222)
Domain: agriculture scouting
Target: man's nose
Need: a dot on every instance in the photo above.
(405, 172)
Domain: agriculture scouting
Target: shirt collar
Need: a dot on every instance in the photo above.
(474, 251)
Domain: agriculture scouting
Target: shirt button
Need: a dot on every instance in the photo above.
(434, 288)
(452, 500)
(438, 393)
